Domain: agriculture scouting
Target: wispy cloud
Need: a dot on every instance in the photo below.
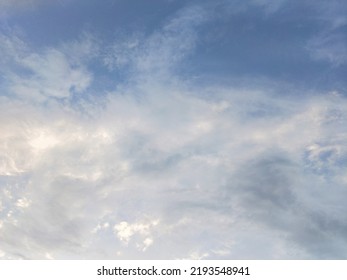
(159, 53)
(9, 7)
(330, 44)
(49, 73)
(330, 47)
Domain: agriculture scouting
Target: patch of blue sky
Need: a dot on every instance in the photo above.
(231, 45)
(271, 47)
(53, 23)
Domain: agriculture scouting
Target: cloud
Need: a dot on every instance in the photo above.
(329, 45)
(49, 73)
(8, 7)
(159, 53)
(254, 169)
(125, 232)
(161, 167)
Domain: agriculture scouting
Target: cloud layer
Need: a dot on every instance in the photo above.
(207, 178)
(162, 167)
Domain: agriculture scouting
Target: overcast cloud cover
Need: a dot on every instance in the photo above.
(173, 129)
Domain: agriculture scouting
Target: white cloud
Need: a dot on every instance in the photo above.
(23, 203)
(125, 232)
(12, 48)
(52, 72)
(165, 168)
(254, 157)
(51, 75)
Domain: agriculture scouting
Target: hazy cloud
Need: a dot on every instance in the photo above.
(161, 167)
(50, 73)
(201, 161)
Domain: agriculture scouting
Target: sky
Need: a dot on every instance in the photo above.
(172, 129)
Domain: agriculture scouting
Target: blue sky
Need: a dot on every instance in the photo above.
(173, 129)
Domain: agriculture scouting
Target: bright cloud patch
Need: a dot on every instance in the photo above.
(261, 171)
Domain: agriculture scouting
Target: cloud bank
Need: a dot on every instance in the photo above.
(161, 167)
